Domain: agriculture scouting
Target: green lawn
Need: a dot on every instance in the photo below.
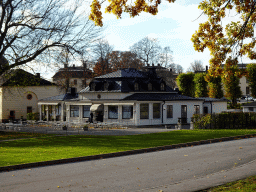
(51, 148)
(245, 185)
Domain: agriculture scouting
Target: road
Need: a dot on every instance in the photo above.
(184, 169)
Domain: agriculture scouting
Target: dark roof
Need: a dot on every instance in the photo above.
(19, 77)
(159, 97)
(212, 99)
(125, 73)
(249, 104)
(61, 97)
(72, 74)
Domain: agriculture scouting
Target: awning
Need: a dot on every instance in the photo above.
(118, 103)
(95, 107)
(48, 103)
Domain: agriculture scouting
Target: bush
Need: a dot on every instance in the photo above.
(235, 120)
(32, 116)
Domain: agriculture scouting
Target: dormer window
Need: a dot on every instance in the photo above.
(162, 87)
(106, 86)
(93, 85)
(150, 86)
(136, 86)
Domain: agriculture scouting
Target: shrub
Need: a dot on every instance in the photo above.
(32, 116)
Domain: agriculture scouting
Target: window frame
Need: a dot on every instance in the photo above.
(110, 116)
(156, 114)
(196, 109)
(168, 114)
(146, 106)
(86, 110)
(131, 111)
(72, 111)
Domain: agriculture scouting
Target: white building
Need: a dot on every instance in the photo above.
(127, 97)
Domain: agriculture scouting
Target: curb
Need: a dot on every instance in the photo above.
(122, 153)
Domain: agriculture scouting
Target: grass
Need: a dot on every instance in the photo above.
(16, 135)
(52, 148)
(245, 185)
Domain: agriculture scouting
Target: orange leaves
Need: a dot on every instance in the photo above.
(117, 7)
(96, 14)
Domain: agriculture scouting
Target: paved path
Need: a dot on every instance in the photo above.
(184, 169)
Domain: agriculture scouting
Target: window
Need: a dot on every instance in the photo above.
(106, 86)
(251, 109)
(150, 86)
(196, 109)
(86, 111)
(113, 112)
(144, 111)
(93, 85)
(247, 90)
(127, 111)
(205, 110)
(58, 112)
(29, 96)
(169, 111)
(162, 87)
(136, 87)
(75, 82)
(74, 111)
(156, 110)
(29, 109)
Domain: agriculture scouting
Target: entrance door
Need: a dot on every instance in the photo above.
(184, 113)
(12, 115)
(29, 109)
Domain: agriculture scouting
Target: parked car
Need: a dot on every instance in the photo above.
(246, 98)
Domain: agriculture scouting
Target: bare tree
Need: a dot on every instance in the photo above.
(147, 50)
(197, 65)
(37, 30)
(179, 69)
(102, 51)
(165, 58)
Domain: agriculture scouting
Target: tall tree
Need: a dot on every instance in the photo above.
(147, 50)
(37, 30)
(165, 58)
(124, 59)
(200, 85)
(214, 86)
(185, 82)
(197, 65)
(231, 81)
(251, 76)
(102, 51)
(179, 69)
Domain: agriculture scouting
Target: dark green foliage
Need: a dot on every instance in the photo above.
(215, 87)
(238, 120)
(251, 69)
(231, 83)
(200, 85)
(33, 116)
(185, 82)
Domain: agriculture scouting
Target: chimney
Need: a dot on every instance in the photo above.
(84, 64)
(74, 66)
(38, 75)
(152, 64)
(158, 65)
(171, 70)
(65, 65)
(206, 67)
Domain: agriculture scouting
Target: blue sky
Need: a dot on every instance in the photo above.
(173, 26)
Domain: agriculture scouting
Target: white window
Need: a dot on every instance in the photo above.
(86, 111)
(196, 109)
(144, 107)
(113, 112)
(169, 111)
(74, 111)
(127, 111)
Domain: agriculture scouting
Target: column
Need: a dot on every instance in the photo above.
(40, 112)
(47, 112)
(62, 112)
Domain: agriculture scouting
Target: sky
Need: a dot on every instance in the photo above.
(173, 26)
